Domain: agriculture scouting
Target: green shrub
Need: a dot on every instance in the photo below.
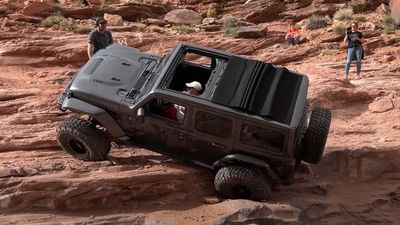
(212, 11)
(232, 22)
(343, 14)
(315, 22)
(231, 25)
(389, 24)
(359, 18)
(339, 28)
(231, 31)
(155, 29)
(186, 29)
(57, 18)
(357, 6)
(83, 28)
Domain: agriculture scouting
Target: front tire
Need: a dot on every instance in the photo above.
(236, 182)
(316, 135)
(82, 140)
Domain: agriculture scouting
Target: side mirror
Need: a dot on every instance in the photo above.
(140, 112)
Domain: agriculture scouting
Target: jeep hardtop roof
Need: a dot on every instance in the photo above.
(251, 86)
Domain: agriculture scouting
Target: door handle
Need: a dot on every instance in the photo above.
(217, 145)
(179, 134)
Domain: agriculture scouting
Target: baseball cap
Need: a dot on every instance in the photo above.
(100, 20)
(194, 84)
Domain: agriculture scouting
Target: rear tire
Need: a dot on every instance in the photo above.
(236, 182)
(82, 140)
(316, 135)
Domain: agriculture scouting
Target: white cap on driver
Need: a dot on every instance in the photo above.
(196, 85)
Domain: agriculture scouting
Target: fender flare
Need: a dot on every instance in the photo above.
(99, 114)
(246, 159)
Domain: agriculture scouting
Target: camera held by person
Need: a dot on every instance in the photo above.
(348, 30)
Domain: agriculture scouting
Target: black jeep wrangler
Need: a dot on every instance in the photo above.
(248, 123)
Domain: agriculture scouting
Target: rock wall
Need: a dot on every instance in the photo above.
(395, 7)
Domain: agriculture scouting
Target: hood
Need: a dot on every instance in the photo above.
(112, 74)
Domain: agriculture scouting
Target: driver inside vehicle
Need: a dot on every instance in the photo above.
(193, 88)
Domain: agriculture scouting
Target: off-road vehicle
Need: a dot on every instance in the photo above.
(249, 123)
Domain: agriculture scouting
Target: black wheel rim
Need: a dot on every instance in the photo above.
(78, 147)
(240, 191)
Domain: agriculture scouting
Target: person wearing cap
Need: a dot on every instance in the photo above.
(193, 88)
(99, 38)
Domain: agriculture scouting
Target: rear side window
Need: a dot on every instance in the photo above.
(213, 124)
(260, 137)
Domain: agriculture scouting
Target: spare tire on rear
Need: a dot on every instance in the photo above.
(316, 135)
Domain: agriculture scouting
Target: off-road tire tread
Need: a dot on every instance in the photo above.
(316, 135)
(94, 139)
(229, 176)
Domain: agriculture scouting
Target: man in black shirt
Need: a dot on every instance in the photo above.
(354, 39)
(99, 38)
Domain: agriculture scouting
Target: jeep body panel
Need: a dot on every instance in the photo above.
(257, 109)
(98, 113)
(113, 77)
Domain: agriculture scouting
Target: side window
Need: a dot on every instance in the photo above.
(213, 124)
(199, 60)
(194, 67)
(166, 109)
(260, 137)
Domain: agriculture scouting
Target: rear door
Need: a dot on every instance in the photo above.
(209, 136)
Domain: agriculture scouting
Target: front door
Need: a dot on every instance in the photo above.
(163, 127)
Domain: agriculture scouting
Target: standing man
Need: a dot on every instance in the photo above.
(99, 38)
(354, 39)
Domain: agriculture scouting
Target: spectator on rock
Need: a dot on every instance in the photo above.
(354, 40)
(293, 35)
(99, 38)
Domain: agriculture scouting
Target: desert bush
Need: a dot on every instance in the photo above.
(231, 31)
(67, 25)
(83, 28)
(315, 22)
(339, 28)
(389, 24)
(232, 22)
(357, 6)
(343, 14)
(155, 29)
(359, 18)
(330, 48)
(231, 25)
(212, 11)
(57, 18)
(186, 29)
